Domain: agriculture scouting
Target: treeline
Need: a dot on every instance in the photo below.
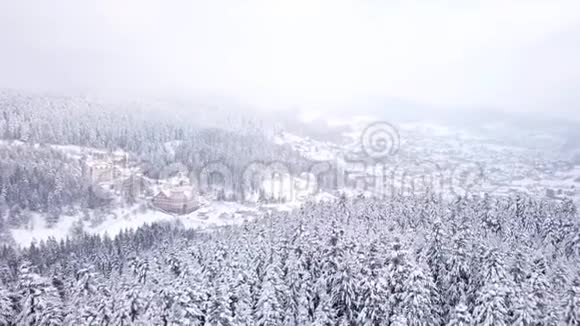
(358, 261)
(130, 125)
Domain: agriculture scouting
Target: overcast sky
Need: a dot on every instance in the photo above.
(508, 54)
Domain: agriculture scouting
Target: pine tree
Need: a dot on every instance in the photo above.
(189, 307)
(399, 320)
(120, 313)
(297, 300)
(303, 316)
(520, 267)
(460, 315)
(219, 313)
(83, 295)
(269, 308)
(373, 303)
(105, 312)
(160, 312)
(542, 295)
(456, 280)
(572, 305)
(343, 293)
(6, 307)
(490, 306)
(397, 271)
(524, 313)
(324, 315)
(417, 303)
(135, 306)
(437, 251)
(40, 303)
(243, 305)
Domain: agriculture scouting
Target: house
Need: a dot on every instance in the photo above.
(177, 200)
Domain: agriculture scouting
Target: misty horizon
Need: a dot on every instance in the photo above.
(323, 56)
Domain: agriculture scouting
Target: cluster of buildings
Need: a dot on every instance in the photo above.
(117, 178)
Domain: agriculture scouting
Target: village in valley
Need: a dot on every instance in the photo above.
(531, 166)
(126, 197)
(117, 178)
(131, 197)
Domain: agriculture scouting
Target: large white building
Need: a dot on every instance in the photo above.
(98, 171)
(102, 167)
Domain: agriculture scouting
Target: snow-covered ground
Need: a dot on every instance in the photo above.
(213, 214)
(37, 229)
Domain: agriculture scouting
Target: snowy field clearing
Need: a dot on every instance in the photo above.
(212, 214)
(215, 214)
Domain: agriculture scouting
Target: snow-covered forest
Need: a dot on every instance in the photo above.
(201, 135)
(413, 259)
(355, 261)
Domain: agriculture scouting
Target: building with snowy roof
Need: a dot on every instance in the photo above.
(177, 200)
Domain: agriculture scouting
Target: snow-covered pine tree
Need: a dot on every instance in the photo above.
(243, 306)
(457, 277)
(417, 305)
(40, 303)
(6, 307)
(219, 310)
(460, 316)
(160, 309)
(343, 293)
(269, 308)
(437, 251)
(571, 311)
(105, 311)
(398, 320)
(297, 300)
(191, 300)
(524, 313)
(373, 303)
(397, 270)
(542, 295)
(324, 315)
(520, 268)
(490, 306)
(303, 316)
(128, 305)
